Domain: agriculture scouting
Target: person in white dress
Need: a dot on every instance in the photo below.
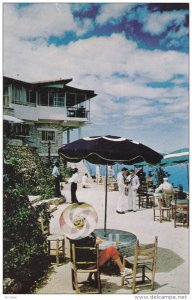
(122, 186)
(133, 184)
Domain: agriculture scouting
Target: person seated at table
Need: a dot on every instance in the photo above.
(104, 255)
(149, 179)
(165, 187)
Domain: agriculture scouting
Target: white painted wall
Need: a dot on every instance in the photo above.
(40, 112)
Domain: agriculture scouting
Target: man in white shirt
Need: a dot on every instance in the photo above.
(84, 180)
(121, 185)
(56, 175)
(133, 184)
(165, 186)
(74, 180)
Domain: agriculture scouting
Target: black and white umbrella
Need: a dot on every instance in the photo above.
(107, 150)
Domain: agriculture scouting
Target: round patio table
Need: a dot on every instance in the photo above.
(124, 241)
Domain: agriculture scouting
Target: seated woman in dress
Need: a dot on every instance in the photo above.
(104, 255)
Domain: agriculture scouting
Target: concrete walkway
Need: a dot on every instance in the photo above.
(172, 275)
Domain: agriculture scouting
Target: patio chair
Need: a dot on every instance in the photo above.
(145, 256)
(145, 200)
(55, 242)
(84, 260)
(164, 206)
(181, 213)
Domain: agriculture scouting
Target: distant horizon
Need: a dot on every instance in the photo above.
(178, 173)
(135, 56)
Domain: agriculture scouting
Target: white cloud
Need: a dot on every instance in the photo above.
(111, 12)
(93, 63)
(157, 22)
(41, 20)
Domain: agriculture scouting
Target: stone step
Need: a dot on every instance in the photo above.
(53, 201)
(52, 208)
(34, 199)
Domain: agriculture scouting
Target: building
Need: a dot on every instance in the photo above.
(39, 114)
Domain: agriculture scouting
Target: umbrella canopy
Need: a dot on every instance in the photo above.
(107, 150)
(180, 156)
(176, 157)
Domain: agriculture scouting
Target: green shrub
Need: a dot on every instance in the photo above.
(24, 246)
(34, 174)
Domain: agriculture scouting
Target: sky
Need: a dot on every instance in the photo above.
(135, 56)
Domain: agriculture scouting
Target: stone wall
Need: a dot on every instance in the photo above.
(42, 147)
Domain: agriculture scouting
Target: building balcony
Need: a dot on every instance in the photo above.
(47, 113)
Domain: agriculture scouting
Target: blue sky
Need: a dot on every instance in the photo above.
(134, 56)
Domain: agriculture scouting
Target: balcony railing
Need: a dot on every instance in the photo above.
(77, 113)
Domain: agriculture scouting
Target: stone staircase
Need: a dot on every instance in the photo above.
(53, 202)
(81, 170)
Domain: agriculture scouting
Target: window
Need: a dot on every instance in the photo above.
(56, 99)
(70, 99)
(19, 95)
(73, 99)
(43, 98)
(48, 136)
(32, 97)
(6, 96)
(22, 129)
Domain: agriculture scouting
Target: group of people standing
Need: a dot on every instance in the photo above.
(73, 180)
(128, 183)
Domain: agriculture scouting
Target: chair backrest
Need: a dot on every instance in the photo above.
(183, 205)
(167, 197)
(145, 252)
(142, 190)
(44, 226)
(85, 257)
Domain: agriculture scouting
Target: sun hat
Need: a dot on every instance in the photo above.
(74, 214)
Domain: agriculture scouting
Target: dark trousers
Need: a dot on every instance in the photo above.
(57, 187)
(73, 192)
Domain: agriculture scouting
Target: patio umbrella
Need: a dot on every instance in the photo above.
(176, 157)
(180, 156)
(108, 150)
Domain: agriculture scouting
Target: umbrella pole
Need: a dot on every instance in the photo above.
(106, 179)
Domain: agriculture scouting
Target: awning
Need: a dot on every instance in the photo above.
(11, 119)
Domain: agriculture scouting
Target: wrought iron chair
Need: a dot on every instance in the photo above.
(85, 260)
(145, 256)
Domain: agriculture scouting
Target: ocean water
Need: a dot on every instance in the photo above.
(178, 173)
